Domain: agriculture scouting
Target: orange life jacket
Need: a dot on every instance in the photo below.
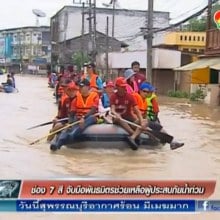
(63, 97)
(142, 103)
(83, 107)
(92, 80)
(64, 106)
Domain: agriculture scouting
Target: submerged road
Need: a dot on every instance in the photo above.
(197, 125)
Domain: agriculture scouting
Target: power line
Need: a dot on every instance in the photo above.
(186, 19)
(139, 33)
(132, 37)
(181, 15)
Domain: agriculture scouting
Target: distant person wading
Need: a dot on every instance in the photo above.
(9, 85)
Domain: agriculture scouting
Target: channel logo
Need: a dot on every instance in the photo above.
(208, 206)
(9, 188)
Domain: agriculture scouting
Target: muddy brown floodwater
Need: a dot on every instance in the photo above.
(197, 125)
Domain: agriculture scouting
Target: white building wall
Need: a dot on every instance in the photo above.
(159, 38)
(162, 59)
(166, 59)
(127, 24)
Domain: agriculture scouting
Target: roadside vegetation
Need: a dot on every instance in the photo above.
(198, 95)
(199, 23)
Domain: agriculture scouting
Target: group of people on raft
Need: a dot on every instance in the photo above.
(9, 85)
(129, 98)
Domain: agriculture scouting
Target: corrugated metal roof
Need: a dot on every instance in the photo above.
(213, 63)
(216, 66)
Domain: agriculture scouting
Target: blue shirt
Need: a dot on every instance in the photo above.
(98, 82)
(105, 100)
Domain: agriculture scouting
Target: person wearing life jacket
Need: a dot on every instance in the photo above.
(60, 89)
(152, 103)
(92, 77)
(83, 109)
(143, 106)
(141, 99)
(132, 86)
(64, 109)
(141, 102)
(71, 90)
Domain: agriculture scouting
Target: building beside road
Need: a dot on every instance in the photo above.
(192, 42)
(68, 24)
(25, 48)
(204, 73)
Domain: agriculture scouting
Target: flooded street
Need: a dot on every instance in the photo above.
(197, 125)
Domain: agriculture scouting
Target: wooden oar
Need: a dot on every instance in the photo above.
(54, 132)
(63, 119)
(47, 123)
(163, 137)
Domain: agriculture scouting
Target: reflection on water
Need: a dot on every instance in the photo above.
(195, 124)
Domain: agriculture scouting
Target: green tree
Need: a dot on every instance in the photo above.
(200, 23)
(79, 59)
(215, 8)
(196, 24)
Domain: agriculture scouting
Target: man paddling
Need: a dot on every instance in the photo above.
(64, 108)
(140, 97)
(124, 106)
(83, 109)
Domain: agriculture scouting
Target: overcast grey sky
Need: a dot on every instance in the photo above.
(18, 13)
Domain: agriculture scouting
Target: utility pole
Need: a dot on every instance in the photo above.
(209, 21)
(209, 15)
(83, 30)
(112, 4)
(149, 40)
(107, 47)
(82, 40)
(90, 27)
(113, 17)
(94, 31)
(91, 11)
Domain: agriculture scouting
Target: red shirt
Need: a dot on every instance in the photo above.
(139, 78)
(123, 104)
(64, 109)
